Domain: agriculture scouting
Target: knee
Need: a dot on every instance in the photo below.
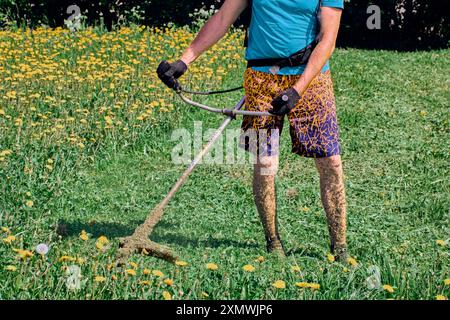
(329, 167)
(266, 166)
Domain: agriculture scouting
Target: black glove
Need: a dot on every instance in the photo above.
(170, 72)
(285, 102)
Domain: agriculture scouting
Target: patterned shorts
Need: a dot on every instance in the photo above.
(313, 124)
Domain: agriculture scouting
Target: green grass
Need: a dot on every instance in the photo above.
(393, 114)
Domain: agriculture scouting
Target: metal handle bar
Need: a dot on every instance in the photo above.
(228, 112)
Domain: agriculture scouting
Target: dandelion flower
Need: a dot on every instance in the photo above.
(388, 288)
(181, 263)
(24, 253)
(147, 271)
(447, 282)
(440, 243)
(248, 268)
(441, 297)
(83, 235)
(211, 266)
(169, 282)
(352, 262)
(295, 268)
(314, 286)
(42, 249)
(6, 230)
(103, 239)
(114, 277)
(302, 284)
(67, 258)
(9, 239)
(260, 259)
(29, 203)
(144, 282)
(134, 265)
(99, 279)
(11, 268)
(167, 295)
(330, 257)
(158, 273)
(279, 284)
(130, 272)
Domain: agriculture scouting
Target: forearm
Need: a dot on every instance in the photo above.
(209, 34)
(320, 55)
(330, 19)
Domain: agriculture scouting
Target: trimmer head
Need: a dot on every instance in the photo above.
(130, 245)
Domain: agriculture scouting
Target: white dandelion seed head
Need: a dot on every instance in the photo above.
(42, 249)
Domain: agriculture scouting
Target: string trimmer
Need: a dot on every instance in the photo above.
(139, 241)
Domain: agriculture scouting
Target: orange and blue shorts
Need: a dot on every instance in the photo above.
(313, 123)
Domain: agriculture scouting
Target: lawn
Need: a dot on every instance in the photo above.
(85, 154)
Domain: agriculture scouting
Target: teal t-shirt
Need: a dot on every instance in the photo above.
(280, 28)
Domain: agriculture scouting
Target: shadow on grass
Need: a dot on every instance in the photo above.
(112, 230)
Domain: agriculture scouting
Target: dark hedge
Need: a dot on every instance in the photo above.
(406, 24)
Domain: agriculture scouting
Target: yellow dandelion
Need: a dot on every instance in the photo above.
(302, 284)
(158, 273)
(9, 239)
(314, 286)
(5, 153)
(279, 284)
(295, 269)
(181, 263)
(134, 265)
(130, 272)
(144, 282)
(330, 257)
(447, 282)
(388, 288)
(99, 279)
(441, 297)
(167, 295)
(248, 268)
(352, 262)
(11, 268)
(66, 258)
(441, 243)
(212, 266)
(83, 235)
(6, 230)
(103, 239)
(24, 253)
(114, 277)
(169, 282)
(147, 271)
(260, 259)
(29, 203)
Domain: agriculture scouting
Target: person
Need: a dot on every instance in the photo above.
(302, 92)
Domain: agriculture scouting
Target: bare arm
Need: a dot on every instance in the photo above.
(214, 29)
(330, 20)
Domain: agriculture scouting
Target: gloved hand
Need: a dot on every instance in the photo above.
(285, 102)
(170, 72)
